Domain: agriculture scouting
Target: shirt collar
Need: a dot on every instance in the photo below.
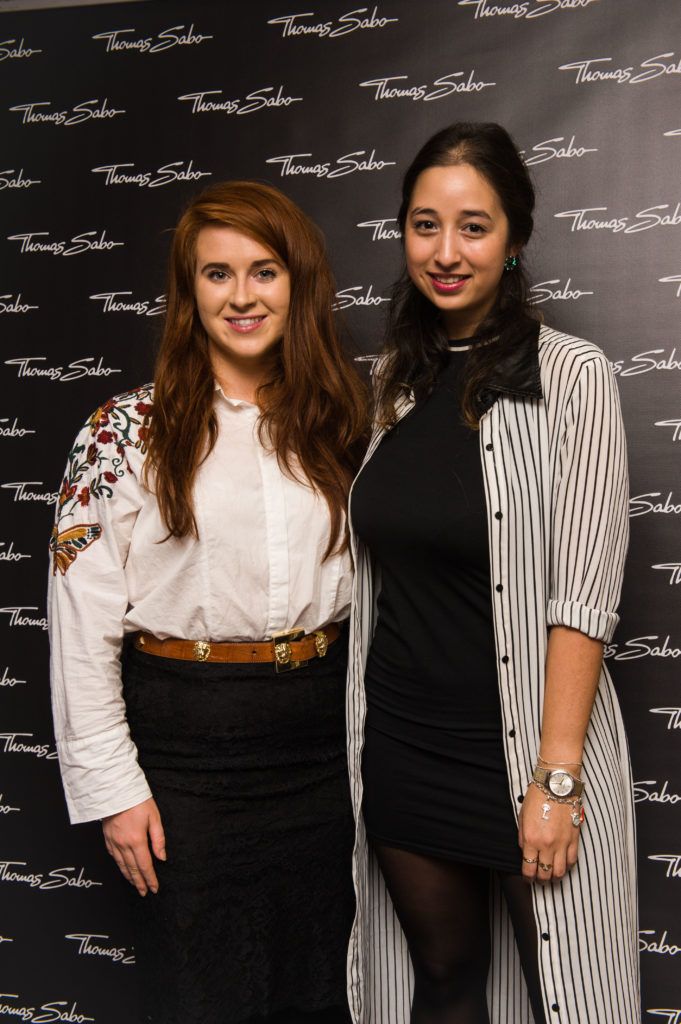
(235, 403)
(517, 369)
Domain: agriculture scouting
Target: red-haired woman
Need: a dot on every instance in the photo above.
(202, 518)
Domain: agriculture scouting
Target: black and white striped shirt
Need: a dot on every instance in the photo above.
(554, 465)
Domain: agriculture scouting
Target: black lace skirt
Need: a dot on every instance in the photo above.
(255, 900)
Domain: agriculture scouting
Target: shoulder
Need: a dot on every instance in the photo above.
(559, 350)
(122, 419)
(565, 359)
(108, 450)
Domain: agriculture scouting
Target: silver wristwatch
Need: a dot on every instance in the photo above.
(558, 782)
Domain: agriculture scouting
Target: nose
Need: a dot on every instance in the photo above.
(447, 254)
(241, 295)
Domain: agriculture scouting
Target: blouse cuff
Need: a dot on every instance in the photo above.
(593, 622)
(101, 775)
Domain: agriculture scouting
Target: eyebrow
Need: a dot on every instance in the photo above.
(254, 265)
(420, 210)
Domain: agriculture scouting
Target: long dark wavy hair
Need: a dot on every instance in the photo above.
(313, 407)
(416, 342)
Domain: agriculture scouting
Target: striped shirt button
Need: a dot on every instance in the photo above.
(505, 659)
(498, 515)
(499, 587)
(489, 447)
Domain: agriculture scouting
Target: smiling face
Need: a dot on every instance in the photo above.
(242, 293)
(456, 240)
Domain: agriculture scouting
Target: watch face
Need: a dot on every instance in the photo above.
(561, 783)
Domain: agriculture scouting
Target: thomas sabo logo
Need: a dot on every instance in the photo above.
(556, 149)
(118, 302)
(651, 792)
(382, 230)
(88, 110)
(10, 49)
(13, 304)
(11, 178)
(90, 944)
(654, 945)
(8, 554)
(642, 647)
(644, 220)
(600, 69)
(645, 362)
(359, 20)
(446, 85)
(12, 871)
(19, 743)
(122, 40)
(525, 9)
(258, 99)
(88, 241)
(59, 1010)
(78, 369)
(358, 295)
(555, 291)
(291, 164)
(125, 174)
(18, 618)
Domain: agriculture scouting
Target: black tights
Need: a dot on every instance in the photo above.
(443, 908)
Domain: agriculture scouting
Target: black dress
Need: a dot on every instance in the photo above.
(434, 773)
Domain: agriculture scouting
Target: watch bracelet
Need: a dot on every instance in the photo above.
(545, 773)
(572, 801)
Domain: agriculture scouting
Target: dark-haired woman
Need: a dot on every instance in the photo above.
(490, 529)
(201, 519)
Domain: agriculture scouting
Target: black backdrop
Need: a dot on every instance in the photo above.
(110, 117)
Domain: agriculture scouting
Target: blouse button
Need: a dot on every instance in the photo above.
(505, 659)
(555, 1007)
(499, 587)
(545, 936)
(498, 515)
(520, 798)
(489, 447)
(511, 733)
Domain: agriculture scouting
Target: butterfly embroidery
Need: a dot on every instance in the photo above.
(67, 544)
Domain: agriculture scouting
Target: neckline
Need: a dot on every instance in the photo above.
(235, 403)
(461, 344)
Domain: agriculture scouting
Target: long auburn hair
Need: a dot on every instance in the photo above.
(313, 407)
(415, 340)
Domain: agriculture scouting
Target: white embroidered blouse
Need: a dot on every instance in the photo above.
(255, 568)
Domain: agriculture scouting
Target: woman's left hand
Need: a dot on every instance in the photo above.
(548, 839)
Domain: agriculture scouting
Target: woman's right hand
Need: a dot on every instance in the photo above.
(127, 836)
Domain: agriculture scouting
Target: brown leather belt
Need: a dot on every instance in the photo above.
(286, 650)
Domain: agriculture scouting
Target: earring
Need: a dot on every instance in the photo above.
(511, 262)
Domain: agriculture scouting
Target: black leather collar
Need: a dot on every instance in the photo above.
(517, 371)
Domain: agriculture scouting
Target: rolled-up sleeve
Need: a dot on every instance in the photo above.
(590, 523)
(87, 603)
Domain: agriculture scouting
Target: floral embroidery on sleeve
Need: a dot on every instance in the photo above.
(95, 464)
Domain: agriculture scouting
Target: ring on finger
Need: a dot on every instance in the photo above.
(531, 860)
(545, 867)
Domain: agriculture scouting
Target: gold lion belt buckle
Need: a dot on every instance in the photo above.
(283, 655)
